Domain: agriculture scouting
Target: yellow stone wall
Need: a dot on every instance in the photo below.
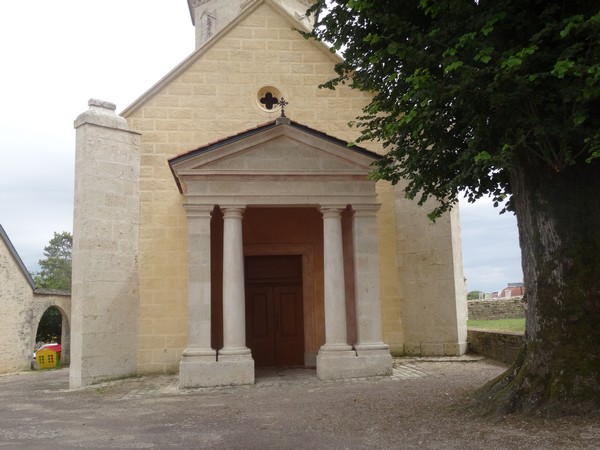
(210, 96)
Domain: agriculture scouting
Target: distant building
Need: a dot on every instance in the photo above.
(511, 290)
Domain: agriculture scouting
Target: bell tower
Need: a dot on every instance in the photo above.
(211, 16)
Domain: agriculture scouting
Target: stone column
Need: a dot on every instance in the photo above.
(366, 279)
(334, 356)
(234, 309)
(199, 350)
(369, 341)
(199, 282)
(335, 292)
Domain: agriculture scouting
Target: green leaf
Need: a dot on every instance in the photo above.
(455, 65)
(449, 52)
(359, 5)
(468, 37)
(407, 118)
(517, 59)
(484, 55)
(578, 119)
(372, 38)
(392, 48)
(482, 156)
(511, 62)
(561, 67)
(573, 22)
(487, 29)
(489, 25)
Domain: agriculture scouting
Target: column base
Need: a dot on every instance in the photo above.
(371, 347)
(235, 354)
(359, 364)
(200, 372)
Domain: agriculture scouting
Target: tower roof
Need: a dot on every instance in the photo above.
(211, 16)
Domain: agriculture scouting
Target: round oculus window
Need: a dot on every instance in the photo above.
(268, 98)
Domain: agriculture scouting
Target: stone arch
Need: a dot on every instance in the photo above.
(23, 305)
(62, 303)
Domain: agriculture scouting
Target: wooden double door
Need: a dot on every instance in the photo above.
(274, 312)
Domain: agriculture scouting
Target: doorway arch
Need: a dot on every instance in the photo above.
(62, 328)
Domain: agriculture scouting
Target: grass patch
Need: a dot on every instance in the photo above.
(514, 325)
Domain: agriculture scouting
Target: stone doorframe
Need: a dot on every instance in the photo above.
(282, 164)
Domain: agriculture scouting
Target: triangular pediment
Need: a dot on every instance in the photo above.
(280, 149)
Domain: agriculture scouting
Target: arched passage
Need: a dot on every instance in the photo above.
(53, 327)
(49, 329)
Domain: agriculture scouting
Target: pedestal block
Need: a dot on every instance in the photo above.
(350, 364)
(198, 373)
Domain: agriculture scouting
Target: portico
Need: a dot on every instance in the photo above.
(281, 189)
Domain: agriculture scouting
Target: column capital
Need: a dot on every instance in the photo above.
(198, 210)
(233, 211)
(331, 210)
(365, 209)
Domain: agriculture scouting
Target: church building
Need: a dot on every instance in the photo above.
(223, 222)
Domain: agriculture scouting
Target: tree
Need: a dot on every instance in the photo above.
(496, 98)
(474, 295)
(55, 270)
(50, 327)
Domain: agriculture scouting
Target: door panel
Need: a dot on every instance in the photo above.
(289, 330)
(274, 313)
(259, 324)
(286, 323)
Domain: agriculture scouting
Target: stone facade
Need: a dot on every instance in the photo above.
(22, 308)
(207, 103)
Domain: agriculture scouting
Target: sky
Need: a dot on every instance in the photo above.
(57, 55)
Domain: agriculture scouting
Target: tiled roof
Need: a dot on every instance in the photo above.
(267, 126)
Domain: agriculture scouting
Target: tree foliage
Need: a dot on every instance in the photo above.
(496, 98)
(50, 326)
(463, 88)
(474, 295)
(55, 270)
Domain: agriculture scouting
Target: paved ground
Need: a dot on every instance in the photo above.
(415, 408)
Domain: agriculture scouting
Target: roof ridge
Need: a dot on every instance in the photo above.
(16, 257)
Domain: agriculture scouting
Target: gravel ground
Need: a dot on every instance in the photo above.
(418, 407)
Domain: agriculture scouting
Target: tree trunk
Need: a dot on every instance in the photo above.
(558, 370)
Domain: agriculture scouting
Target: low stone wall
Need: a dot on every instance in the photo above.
(496, 309)
(501, 346)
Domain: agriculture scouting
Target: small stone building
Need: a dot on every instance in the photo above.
(215, 232)
(22, 308)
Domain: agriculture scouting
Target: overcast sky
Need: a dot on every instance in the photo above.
(57, 55)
